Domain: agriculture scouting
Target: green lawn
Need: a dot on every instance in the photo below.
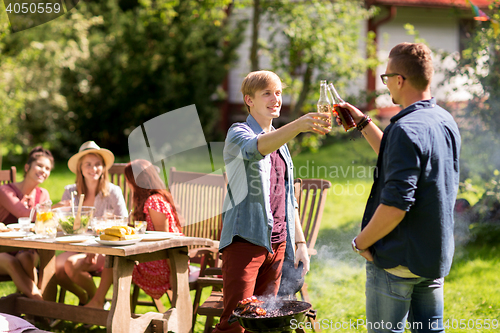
(336, 281)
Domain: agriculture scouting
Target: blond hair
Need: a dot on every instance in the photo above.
(414, 62)
(255, 81)
(102, 185)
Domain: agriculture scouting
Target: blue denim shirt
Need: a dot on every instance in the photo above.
(247, 206)
(418, 172)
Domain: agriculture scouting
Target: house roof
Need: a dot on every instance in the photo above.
(430, 3)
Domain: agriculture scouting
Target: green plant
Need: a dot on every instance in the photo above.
(109, 66)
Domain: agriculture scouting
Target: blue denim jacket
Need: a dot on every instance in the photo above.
(418, 172)
(246, 211)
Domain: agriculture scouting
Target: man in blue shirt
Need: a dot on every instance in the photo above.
(407, 228)
(260, 219)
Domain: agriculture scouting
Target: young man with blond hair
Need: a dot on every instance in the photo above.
(407, 228)
(260, 218)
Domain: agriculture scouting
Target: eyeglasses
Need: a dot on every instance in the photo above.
(385, 76)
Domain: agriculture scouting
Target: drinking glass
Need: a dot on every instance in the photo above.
(118, 220)
(140, 226)
(99, 224)
(25, 224)
(109, 213)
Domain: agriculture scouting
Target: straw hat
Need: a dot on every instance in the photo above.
(91, 147)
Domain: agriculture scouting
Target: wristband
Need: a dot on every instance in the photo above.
(300, 242)
(366, 120)
(355, 247)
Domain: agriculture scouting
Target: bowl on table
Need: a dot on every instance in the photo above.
(66, 219)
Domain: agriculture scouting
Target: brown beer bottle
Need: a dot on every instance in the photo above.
(342, 113)
(324, 103)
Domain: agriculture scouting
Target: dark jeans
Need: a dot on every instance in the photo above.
(394, 303)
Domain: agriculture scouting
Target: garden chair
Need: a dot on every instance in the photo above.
(117, 177)
(6, 177)
(312, 200)
(311, 197)
(198, 198)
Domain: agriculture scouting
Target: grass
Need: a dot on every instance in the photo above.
(336, 280)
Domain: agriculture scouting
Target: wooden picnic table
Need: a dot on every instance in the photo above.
(119, 318)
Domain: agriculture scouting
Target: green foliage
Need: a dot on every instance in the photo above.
(313, 40)
(32, 65)
(485, 233)
(478, 71)
(484, 217)
(478, 68)
(108, 66)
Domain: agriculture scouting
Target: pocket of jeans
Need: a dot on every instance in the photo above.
(370, 269)
(400, 287)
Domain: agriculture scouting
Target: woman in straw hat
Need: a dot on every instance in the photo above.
(91, 165)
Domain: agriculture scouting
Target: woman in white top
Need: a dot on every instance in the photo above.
(74, 270)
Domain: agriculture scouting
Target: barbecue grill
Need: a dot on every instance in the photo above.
(277, 319)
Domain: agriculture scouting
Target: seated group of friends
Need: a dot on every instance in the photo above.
(75, 271)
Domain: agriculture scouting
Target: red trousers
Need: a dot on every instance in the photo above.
(247, 270)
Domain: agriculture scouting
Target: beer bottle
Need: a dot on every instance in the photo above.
(324, 103)
(342, 113)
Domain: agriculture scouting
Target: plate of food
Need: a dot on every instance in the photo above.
(118, 242)
(119, 235)
(18, 226)
(12, 234)
(150, 236)
(73, 239)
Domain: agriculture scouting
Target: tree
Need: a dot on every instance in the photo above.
(316, 38)
(478, 70)
(478, 67)
(311, 40)
(117, 64)
(156, 61)
(254, 51)
(33, 110)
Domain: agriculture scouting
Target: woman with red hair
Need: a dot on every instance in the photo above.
(155, 205)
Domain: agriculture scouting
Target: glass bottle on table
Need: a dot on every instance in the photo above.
(343, 113)
(324, 103)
